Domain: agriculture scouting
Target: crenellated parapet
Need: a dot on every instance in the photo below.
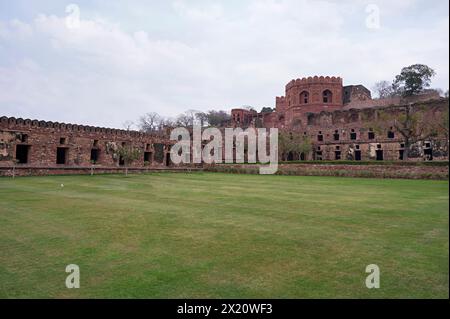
(312, 95)
(314, 80)
(48, 143)
(24, 124)
(280, 103)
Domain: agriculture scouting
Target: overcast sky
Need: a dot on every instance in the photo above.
(126, 58)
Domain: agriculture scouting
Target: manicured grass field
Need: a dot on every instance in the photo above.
(205, 235)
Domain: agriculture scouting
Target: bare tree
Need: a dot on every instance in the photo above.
(128, 125)
(187, 118)
(167, 122)
(183, 120)
(202, 118)
(150, 122)
(384, 89)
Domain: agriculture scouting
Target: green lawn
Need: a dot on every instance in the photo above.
(205, 235)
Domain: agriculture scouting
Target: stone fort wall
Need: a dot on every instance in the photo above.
(338, 120)
(353, 135)
(52, 144)
(339, 125)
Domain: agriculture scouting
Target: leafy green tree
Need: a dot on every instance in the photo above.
(413, 79)
(128, 154)
(293, 142)
(305, 146)
(266, 110)
(410, 122)
(218, 118)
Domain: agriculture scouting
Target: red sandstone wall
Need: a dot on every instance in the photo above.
(361, 104)
(296, 108)
(314, 86)
(357, 122)
(280, 104)
(242, 116)
(43, 138)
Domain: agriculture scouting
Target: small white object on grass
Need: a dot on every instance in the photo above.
(62, 185)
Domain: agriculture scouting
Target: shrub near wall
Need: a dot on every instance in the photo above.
(376, 163)
(408, 171)
(361, 163)
(7, 171)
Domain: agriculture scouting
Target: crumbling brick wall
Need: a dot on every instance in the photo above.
(347, 112)
(350, 135)
(40, 142)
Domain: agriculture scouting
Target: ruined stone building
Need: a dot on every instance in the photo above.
(344, 122)
(337, 119)
(43, 144)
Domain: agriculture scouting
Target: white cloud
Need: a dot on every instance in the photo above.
(209, 12)
(216, 57)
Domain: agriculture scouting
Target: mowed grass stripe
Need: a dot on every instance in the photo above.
(221, 235)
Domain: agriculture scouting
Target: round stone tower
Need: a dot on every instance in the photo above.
(312, 95)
